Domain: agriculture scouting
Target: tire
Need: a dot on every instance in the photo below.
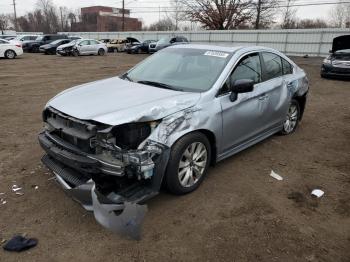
(101, 52)
(10, 54)
(182, 180)
(139, 51)
(75, 53)
(292, 118)
(35, 49)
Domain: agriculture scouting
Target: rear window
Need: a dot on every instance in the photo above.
(273, 65)
(287, 67)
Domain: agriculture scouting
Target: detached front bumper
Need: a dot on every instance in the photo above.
(94, 183)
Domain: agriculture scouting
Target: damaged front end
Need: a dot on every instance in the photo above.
(103, 167)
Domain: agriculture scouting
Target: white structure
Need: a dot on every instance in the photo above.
(313, 42)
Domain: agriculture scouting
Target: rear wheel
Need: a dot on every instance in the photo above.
(188, 163)
(101, 52)
(292, 118)
(10, 54)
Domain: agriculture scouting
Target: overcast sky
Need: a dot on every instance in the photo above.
(152, 6)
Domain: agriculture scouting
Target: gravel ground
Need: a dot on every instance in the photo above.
(239, 213)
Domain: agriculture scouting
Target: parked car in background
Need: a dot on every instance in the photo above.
(82, 47)
(119, 45)
(167, 41)
(22, 38)
(10, 50)
(50, 49)
(33, 46)
(337, 64)
(139, 48)
(74, 37)
(117, 141)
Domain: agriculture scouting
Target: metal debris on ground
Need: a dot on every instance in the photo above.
(317, 193)
(16, 188)
(20, 193)
(2, 201)
(276, 176)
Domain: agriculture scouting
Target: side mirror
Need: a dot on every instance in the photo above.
(241, 86)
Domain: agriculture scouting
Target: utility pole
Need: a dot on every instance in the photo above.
(61, 18)
(14, 10)
(123, 22)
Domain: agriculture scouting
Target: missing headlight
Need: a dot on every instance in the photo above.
(129, 136)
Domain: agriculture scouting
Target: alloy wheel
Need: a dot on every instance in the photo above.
(291, 119)
(192, 164)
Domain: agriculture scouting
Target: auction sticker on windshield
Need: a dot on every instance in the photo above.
(216, 53)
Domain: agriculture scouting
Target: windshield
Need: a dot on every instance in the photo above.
(164, 40)
(39, 38)
(185, 69)
(56, 42)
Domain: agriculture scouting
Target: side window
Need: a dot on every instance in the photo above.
(93, 42)
(273, 65)
(287, 67)
(248, 68)
(85, 42)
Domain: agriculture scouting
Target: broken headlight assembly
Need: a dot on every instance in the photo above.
(128, 145)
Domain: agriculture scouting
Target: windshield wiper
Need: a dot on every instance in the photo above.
(157, 84)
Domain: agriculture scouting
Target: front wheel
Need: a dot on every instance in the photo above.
(188, 163)
(292, 118)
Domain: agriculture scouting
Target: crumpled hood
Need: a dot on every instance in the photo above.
(114, 101)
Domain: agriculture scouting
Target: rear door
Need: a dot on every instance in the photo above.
(277, 95)
(3, 46)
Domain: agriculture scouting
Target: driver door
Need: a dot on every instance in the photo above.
(243, 117)
(84, 47)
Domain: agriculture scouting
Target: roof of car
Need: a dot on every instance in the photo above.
(230, 49)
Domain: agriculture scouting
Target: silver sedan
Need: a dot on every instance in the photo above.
(83, 47)
(165, 121)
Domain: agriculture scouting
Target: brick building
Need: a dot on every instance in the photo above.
(105, 19)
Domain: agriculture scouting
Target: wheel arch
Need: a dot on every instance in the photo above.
(302, 103)
(212, 141)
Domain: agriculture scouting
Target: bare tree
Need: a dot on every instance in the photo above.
(5, 21)
(312, 23)
(177, 15)
(340, 15)
(164, 24)
(50, 15)
(219, 14)
(289, 19)
(265, 11)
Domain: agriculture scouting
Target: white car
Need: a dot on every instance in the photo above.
(10, 50)
(82, 47)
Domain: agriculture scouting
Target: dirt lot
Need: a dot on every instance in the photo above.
(239, 213)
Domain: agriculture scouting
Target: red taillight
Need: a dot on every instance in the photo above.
(18, 45)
